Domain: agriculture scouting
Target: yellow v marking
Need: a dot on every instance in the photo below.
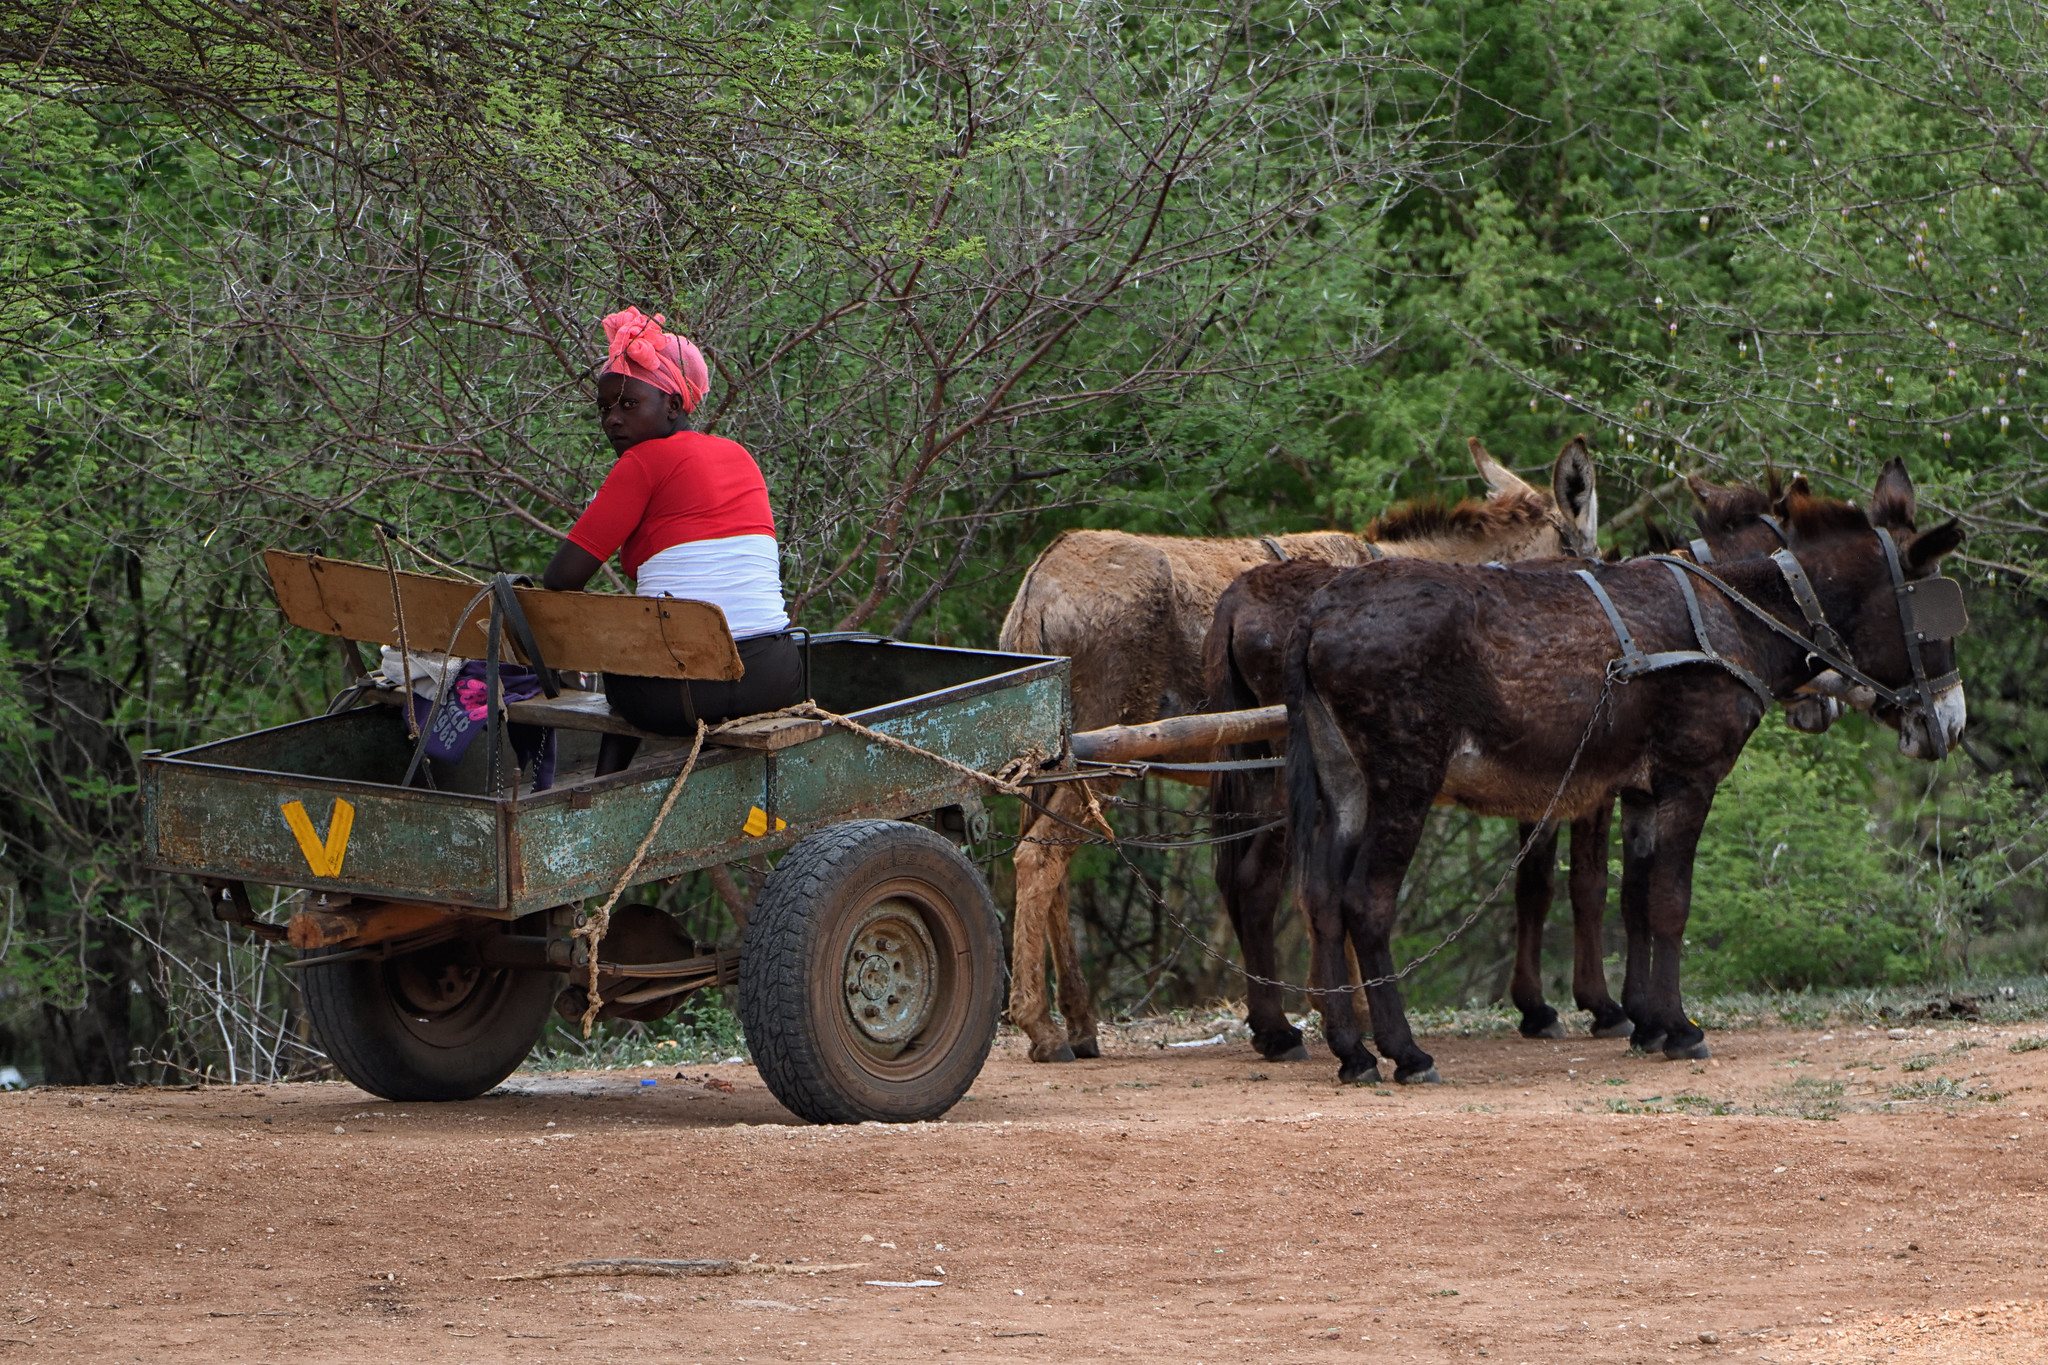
(323, 857)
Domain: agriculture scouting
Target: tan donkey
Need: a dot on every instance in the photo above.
(1131, 612)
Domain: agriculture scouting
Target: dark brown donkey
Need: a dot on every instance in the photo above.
(1243, 661)
(1131, 612)
(1511, 693)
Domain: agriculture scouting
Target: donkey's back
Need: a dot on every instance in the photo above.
(1132, 611)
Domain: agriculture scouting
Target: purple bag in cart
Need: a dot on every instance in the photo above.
(463, 712)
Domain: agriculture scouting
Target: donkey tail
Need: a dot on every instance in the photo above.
(1232, 794)
(1326, 788)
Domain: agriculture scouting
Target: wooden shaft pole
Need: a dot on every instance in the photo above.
(1191, 738)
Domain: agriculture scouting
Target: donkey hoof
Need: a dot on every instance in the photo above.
(1353, 1074)
(1062, 1053)
(1281, 1047)
(1694, 1052)
(1643, 1044)
(1426, 1076)
(1617, 1028)
(1087, 1047)
(1553, 1029)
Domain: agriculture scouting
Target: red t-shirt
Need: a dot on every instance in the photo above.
(673, 490)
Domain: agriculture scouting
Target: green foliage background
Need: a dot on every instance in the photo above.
(266, 278)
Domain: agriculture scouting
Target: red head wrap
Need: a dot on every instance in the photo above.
(641, 349)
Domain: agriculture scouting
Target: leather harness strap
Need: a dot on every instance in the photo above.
(1707, 650)
(514, 618)
(1633, 662)
(1824, 644)
(1809, 604)
(1703, 553)
(1913, 699)
(1926, 687)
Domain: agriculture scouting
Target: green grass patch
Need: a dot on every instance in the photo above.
(703, 1031)
(1809, 1097)
(1937, 1088)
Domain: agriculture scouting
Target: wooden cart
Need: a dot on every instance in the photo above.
(437, 925)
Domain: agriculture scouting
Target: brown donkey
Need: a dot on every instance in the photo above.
(1243, 663)
(1131, 613)
(1508, 690)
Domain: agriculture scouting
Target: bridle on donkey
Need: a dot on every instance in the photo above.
(1929, 609)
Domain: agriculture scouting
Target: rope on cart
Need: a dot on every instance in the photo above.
(1002, 780)
(1005, 780)
(594, 928)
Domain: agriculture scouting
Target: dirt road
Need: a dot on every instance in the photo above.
(1188, 1205)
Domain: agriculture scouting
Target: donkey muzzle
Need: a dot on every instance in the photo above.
(1930, 732)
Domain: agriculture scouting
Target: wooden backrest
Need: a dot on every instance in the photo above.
(654, 637)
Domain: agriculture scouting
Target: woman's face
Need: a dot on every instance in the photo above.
(633, 410)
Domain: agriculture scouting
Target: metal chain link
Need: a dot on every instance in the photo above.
(1003, 782)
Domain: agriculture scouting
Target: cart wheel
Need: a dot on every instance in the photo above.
(434, 1024)
(871, 978)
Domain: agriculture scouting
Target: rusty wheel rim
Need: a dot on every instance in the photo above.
(892, 976)
(443, 994)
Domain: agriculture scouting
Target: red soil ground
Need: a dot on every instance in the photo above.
(1186, 1205)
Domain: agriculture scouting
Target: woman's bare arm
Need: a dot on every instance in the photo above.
(570, 569)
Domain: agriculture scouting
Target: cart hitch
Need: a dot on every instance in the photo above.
(230, 901)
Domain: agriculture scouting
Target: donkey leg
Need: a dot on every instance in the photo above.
(1394, 828)
(1680, 817)
(1321, 896)
(1638, 853)
(1535, 887)
(1589, 916)
(1253, 898)
(1330, 971)
(1251, 875)
(1077, 1000)
(1041, 880)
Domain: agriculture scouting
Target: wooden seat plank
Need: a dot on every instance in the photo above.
(651, 637)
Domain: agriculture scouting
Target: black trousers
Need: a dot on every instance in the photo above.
(774, 679)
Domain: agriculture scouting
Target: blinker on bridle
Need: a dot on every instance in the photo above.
(1929, 609)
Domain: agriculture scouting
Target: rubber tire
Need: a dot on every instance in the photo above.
(793, 964)
(358, 1014)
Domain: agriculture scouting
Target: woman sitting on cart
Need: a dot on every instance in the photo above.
(688, 516)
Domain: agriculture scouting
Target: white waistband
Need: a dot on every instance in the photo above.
(740, 575)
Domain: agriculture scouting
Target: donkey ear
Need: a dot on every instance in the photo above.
(1578, 499)
(1710, 497)
(1893, 505)
(1923, 550)
(1497, 476)
(1798, 489)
